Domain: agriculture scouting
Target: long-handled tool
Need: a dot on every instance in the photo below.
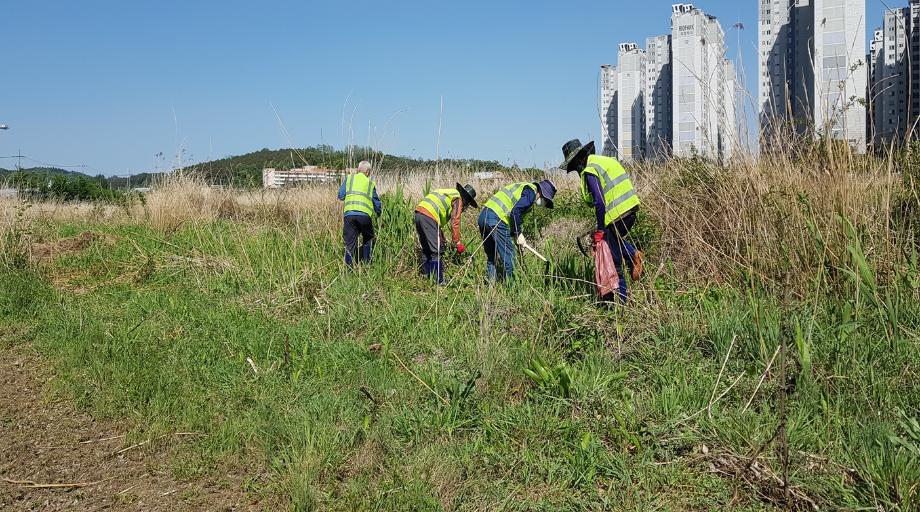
(527, 246)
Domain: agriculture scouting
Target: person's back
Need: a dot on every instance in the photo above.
(361, 203)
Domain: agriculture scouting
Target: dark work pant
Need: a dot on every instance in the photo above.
(431, 246)
(615, 234)
(497, 243)
(353, 227)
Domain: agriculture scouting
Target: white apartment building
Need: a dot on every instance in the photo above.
(677, 97)
(811, 67)
(631, 108)
(840, 81)
(280, 178)
(775, 57)
(874, 57)
(874, 60)
(608, 110)
(658, 97)
(888, 88)
(914, 53)
(729, 134)
(698, 50)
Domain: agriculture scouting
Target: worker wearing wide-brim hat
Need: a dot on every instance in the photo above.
(606, 185)
(501, 221)
(436, 210)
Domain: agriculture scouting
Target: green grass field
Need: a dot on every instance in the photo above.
(376, 390)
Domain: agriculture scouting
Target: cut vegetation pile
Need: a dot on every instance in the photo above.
(768, 359)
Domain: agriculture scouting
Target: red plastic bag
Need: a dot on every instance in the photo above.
(606, 277)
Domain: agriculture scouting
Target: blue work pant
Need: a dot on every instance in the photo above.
(497, 243)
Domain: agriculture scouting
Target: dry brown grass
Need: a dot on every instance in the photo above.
(777, 218)
(183, 199)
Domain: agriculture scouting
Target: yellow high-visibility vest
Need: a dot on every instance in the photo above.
(359, 194)
(504, 200)
(619, 193)
(438, 203)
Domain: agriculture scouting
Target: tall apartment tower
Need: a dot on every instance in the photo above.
(874, 60)
(631, 95)
(698, 46)
(729, 135)
(776, 57)
(840, 81)
(658, 97)
(914, 53)
(609, 102)
(811, 67)
(888, 89)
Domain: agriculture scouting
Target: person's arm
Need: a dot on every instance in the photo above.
(600, 206)
(457, 209)
(342, 190)
(520, 208)
(378, 207)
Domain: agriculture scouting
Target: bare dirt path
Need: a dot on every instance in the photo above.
(45, 440)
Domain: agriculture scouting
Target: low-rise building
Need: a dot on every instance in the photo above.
(279, 178)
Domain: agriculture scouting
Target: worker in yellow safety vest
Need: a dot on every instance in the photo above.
(501, 221)
(606, 185)
(437, 209)
(359, 193)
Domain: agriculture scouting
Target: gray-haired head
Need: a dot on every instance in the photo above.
(364, 167)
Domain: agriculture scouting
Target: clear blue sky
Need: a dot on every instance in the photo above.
(98, 82)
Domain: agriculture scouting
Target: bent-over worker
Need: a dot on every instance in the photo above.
(501, 221)
(435, 211)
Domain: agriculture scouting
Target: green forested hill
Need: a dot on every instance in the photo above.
(44, 171)
(246, 169)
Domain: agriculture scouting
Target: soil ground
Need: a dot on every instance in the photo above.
(45, 440)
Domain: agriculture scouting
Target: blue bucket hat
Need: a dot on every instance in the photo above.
(548, 191)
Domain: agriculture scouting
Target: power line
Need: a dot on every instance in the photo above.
(46, 164)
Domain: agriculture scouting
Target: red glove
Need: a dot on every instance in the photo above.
(460, 247)
(598, 236)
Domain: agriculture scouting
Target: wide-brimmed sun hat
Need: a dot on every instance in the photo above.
(548, 191)
(574, 150)
(468, 194)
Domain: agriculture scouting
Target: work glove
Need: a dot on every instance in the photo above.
(521, 240)
(460, 248)
(598, 236)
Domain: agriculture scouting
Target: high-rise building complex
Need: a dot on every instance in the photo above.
(812, 72)
(893, 91)
(678, 96)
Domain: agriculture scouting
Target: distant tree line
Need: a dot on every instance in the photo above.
(237, 171)
(62, 186)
